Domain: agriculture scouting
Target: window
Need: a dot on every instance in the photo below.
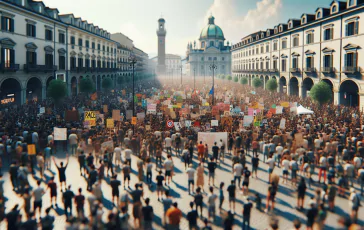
(295, 41)
(80, 62)
(93, 63)
(62, 62)
(253, 51)
(202, 67)
(318, 15)
(31, 58)
(202, 44)
(257, 50)
(202, 59)
(351, 2)
(87, 44)
(284, 65)
(220, 45)
(262, 49)
(215, 58)
(49, 60)
(309, 62)
(93, 45)
(267, 65)
(61, 38)
(303, 20)
(334, 9)
(73, 62)
(103, 48)
(210, 58)
(80, 42)
(267, 48)
(328, 61)
(107, 49)
(295, 62)
(223, 59)
(256, 65)
(98, 46)
(211, 43)
(7, 24)
(275, 46)
(275, 64)
(352, 28)
(284, 44)
(350, 59)
(87, 62)
(73, 41)
(31, 30)
(309, 38)
(328, 34)
(261, 65)
(48, 35)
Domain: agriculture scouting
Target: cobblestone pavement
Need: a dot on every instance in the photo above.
(284, 210)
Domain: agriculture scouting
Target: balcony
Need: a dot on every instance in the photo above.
(328, 70)
(310, 69)
(274, 70)
(294, 70)
(351, 69)
(39, 68)
(9, 67)
(265, 70)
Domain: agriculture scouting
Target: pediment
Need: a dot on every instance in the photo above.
(73, 53)
(48, 49)
(351, 47)
(295, 54)
(211, 49)
(310, 52)
(61, 51)
(284, 56)
(327, 50)
(7, 42)
(31, 46)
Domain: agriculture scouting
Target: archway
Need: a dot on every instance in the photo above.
(74, 86)
(48, 82)
(349, 93)
(306, 86)
(34, 89)
(10, 92)
(266, 79)
(331, 86)
(98, 83)
(262, 78)
(283, 85)
(293, 86)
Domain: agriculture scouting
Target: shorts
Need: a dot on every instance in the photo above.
(270, 171)
(37, 204)
(115, 193)
(168, 172)
(126, 177)
(245, 183)
(211, 175)
(53, 194)
(254, 169)
(285, 172)
(301, 195)
(160, 188)
(294, 174)
(232, 199)
(191, 182)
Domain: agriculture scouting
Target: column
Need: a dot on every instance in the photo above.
(69, 89)
(288, 89)
(23, 95)
(44, 92)
(361, 101)
(301, 88)
(336, 98)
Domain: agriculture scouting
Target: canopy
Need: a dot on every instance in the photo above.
(302, 110)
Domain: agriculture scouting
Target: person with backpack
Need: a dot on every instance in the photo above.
(246, 174)
(355, 204)
(47, 221)
(294, 168)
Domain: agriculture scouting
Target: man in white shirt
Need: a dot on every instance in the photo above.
(126, 141)
(37, 195)
(168, 145)
(211, 201)
(354, 200)
(127, 155)
(361, 179)
(278, 154)
(168, 166)
(117, 154)
(323, 168)
(73, 142)
(271, 164)
(285, 166)
(238, 170)
(191, 178)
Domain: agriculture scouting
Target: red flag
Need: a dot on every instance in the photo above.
(196, 124)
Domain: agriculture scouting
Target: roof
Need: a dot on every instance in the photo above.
(212, 31)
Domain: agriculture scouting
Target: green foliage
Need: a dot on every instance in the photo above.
(321, 92)
(236, 79)
(229, 77)
(257, 82)
(87, 85)
(57, 90)
(107, 83)
(244, 80)
(222, 76)
(272, 85)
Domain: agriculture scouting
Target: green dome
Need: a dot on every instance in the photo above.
(212, 31)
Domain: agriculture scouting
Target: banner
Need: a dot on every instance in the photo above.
(279, 110)
(110, 123)
(282, 124)
(108, 145)
(177, 126)
(247, 120)
(31, 149)
(90, 117)
(134, 120)
(285, 104)
(129, 114)
(116, 115)
(214, 122)
(141, 116)
(152, 108)
(60, 134)
(210, 138)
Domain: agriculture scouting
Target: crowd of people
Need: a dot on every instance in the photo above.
(328, 158)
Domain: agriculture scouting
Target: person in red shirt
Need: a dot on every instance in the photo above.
(174, 215)
(255, 146)
(200, 150)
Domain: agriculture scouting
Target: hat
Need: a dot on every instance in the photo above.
(352, 189)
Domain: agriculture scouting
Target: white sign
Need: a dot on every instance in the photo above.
(42, 110)
(248, 120)
(177, 126)
(279, 110)
(210, 138)
(152, 108)
(214, 122)
(188, 123)
(60, 134)
(282, 125)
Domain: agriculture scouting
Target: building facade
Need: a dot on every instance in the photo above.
(173, 63)
(161, 33)
(141, 67)
(38, 45)
(125, 48)
(323, 46)
(212, 50)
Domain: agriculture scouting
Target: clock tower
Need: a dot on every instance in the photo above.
(161, 33)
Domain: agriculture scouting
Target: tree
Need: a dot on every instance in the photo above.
(321, 92)
(57, 90)
(87, 85)
(222, 76)
(272, 85)
(229, 77)
(244, 80)
(106, 83)
(257, 82)
(236, 79)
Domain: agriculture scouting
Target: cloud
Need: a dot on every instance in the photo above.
(235, 26)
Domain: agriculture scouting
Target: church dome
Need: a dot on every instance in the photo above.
(212, 31)
(161, 20)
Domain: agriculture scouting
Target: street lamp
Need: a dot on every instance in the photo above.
(133, 60)
(194, 79)
(213, 67)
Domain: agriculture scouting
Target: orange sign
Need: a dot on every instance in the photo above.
(31, 149)
(134, 120)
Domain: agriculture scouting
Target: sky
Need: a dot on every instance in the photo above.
(185, 19)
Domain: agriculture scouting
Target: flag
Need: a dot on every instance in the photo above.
(212, 91)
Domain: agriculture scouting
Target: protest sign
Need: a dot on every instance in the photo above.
(116, 115)
(282, 124)
(210, 138)
(71, 115)
(105, 109)
(152, 108)
(299, 139)
(188, 123)
(41, 110)
(107, 145)
(248, 120)
(279, 110)
(31, 149)
(141, 116)
(90, 117)
(134, 120)
(110, 123)
(129, 114)
(214, 122)
(60, 134)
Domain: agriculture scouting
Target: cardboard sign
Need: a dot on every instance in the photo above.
(152, 108)
(177, 126)
(188, 123)
(141, 116)
(110, 123)
(60, 134)
(147, 127)
(42, 110)
(285, 104)
(282, 124)
(214, 122)
(90, 117)
(105, 109)
(116, 115)
(31, 149)
(248, 120)
(71, 115)
(134, 120)
(129, 114)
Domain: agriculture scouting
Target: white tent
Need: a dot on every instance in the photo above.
(302, 110)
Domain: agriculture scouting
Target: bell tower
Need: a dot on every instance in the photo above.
(161, 33)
